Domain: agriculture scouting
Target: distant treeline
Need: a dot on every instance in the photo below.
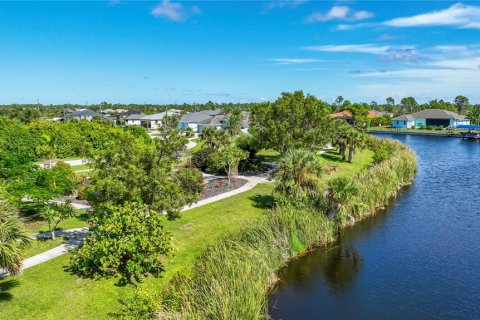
(29, 112)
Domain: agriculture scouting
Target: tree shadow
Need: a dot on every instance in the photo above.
(5, 287)
(262, 201)
(334, 157)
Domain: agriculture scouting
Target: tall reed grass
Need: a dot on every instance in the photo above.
(231, 279)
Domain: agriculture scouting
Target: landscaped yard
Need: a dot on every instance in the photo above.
(58, 294)
(32, 225)
(39, 246)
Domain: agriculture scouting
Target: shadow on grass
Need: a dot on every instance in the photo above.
(330, 156)
(262, 201)
(5, 287)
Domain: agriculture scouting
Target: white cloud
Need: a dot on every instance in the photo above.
(339, 13)
(469, 63)
(459, 15)
(293, 60)
(386, 37)
(351, 48)
(283, 3)
(173, 11)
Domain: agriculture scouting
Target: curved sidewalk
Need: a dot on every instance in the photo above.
(76, 236)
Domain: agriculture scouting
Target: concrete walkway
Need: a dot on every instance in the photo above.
(76, 236)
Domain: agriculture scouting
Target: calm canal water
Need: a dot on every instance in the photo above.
(418, 259)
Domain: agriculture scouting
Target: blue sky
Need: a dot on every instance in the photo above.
(195, 51)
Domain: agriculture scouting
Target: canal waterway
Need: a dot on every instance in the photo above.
(417, 259)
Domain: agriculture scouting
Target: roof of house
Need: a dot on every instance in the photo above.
(135, 116)
(201, 116)
(405, 117)
(437, 114)
(82, 113)
(215, 120)
(347, 114)
(159, 116)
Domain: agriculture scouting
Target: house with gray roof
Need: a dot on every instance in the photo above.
(153, 121)
(82, 115)
(134, 119)
(201, 119)
(430, 117)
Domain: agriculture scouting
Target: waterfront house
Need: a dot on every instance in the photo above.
(430, 117)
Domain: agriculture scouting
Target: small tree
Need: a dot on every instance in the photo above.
(227, 159)
(339, 191)
(298, 175)
(127, 240)
(55, 213)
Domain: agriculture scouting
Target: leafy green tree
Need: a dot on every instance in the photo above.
(292, 121)
(12, 239)
(409, 105)
(214, 138)
(462, 103)
(234, 123)
(298, 175)
(127, 240)
(340, 138)
(55, 213)
(360, 118)
(131, 169)
(474, 114)
(227, 158)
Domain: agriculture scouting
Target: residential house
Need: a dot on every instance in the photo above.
(153, 121)
(201, 119)
(347, 115)
(430, 117)
(84, 114)
(134, 119)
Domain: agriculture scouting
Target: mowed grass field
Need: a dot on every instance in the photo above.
(49, 291)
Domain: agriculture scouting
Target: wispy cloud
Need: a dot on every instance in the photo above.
(386, 37)
(282, 4)
(173, 11)
(339, 13)
(351, 48)
(458, 15)
(403, 54)
(288, 61)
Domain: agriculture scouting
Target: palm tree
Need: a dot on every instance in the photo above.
(234, 123)
(298, 174)
(12, 240)
(339, 191)
(340, 139)
(355, 140)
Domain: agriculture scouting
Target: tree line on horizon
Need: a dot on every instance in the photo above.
(29, 112)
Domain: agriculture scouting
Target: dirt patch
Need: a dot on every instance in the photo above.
(219, 186)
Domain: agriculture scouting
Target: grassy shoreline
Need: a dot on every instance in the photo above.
(60, 294)
(232, 279)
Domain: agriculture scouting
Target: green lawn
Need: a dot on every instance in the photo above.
(47, 290)
(39, 246)
(36, 225)
(81, 167)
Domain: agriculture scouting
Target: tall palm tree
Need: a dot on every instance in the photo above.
(12, 239)
(355, 140)
(298, 174)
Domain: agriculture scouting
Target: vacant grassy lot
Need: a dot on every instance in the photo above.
(50, 292)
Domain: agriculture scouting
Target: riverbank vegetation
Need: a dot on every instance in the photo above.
(231, 279)
(225, 254)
